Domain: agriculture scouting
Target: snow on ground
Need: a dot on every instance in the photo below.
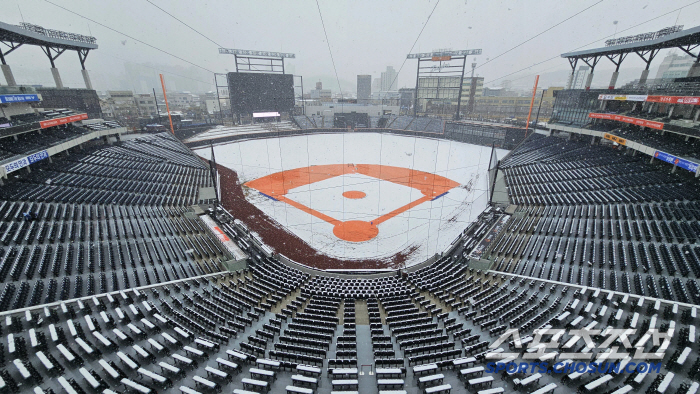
(429, 227)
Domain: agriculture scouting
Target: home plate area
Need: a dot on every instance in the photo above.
(356, 197)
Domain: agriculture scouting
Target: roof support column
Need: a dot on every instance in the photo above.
(617, 61)
(57, 77)
(6, 71)
(646, 55)
(613, 80)
(53, 54)
(82, 55)
(591, 62)
(644, 76)
(572, 63)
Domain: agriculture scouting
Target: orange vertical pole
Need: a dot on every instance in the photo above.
(167, 107)
(532, 102)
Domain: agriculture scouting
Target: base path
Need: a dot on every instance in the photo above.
(286, 243)
(277, 185)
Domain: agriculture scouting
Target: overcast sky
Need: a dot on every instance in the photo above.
(365, 36)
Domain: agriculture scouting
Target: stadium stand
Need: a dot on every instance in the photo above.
(168, 174)
(23, 122)
(595, 217)
(435, 126)
(28, 135)
(672, 143)
(226, 133)
(274, 327)
(303, 122)
(111, 281)
(400, 123)
(92, 223)
(656, 116)
(374, 121)
(548, 170)
(419, 124)
(27, 143)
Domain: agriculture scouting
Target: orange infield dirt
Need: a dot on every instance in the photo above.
(278, 184)
(286, 243)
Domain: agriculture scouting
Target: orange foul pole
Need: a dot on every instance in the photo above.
(167, 107)
(532, 102)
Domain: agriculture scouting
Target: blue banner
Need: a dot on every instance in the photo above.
(18, 98)
(38, 156)
(25, 161)
(682, 163)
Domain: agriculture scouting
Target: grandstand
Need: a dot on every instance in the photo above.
(124, 288)
(222, 133)
(643, 126)
(122, 271)
(112, 279)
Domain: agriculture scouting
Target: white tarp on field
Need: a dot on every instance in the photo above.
(427, 228)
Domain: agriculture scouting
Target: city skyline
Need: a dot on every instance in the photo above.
(454, 24)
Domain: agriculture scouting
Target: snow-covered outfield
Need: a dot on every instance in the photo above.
(313, 208)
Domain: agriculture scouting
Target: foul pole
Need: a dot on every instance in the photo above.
(167, 107)
(532, 102)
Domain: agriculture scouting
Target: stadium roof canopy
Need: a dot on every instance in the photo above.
(36, 35)
(685, 40)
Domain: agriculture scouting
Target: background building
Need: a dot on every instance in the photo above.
(472, 87)
(182, 99)
(496, 92)
(146, 104)
(320, 93)
(388, 80)
(364, 88)
(119, 104)
(674, 66)
(376, 84)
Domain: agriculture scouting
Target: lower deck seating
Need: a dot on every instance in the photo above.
(222, 332)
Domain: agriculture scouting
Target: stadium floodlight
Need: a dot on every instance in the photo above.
(246, 52)
(465, 52)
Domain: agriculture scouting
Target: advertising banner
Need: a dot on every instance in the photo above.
(615, 138)
(682, 163)
(692, 100)
(58, 121)
(628, 119)
(623, 97)
(674, 99)
(18, 98)
(25, 161)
